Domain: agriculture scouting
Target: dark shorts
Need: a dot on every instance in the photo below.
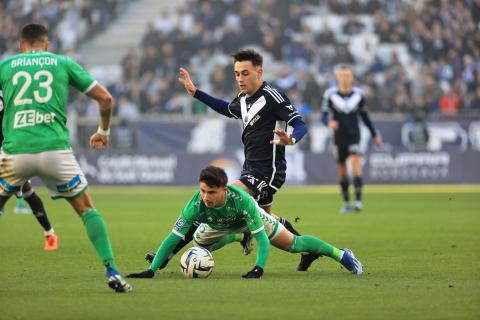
(262, 186)
(342, 152)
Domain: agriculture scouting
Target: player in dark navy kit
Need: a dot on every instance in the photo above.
(34, 201)
(346, 103)
(265, 113)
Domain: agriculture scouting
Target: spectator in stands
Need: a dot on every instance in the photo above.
(151, 60)
(220, 82)
(152, 37)
(438, 36)
(309, 88)
(450, 102)
(150, 86)
(249, 23)
(165, 22)
(272, 44)
(476, 100)
(325, 36)
(353, 26)
(400, 100)
(126, 109)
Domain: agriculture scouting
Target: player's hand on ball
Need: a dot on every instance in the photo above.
(98, 141)
(145, 274)
(284, 138)
(255, 273)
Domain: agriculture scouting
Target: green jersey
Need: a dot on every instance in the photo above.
(35, 88)
(239, 210)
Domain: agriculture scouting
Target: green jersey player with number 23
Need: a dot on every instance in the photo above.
(35, 85)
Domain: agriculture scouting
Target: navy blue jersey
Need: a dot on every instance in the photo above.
(261, 113)
(345, 109)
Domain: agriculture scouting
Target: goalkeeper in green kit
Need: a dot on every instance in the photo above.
(35, 85)
(225, 211)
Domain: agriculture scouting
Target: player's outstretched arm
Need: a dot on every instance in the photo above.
(219, 105)
(165, 249)
(99, 140)
(262, 255)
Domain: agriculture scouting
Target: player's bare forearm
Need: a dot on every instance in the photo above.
(105, 116)
(105, 103)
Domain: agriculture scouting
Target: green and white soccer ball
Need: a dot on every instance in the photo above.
(196, 262)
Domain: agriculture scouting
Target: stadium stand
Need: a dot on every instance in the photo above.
(406, 64)
(71, 22)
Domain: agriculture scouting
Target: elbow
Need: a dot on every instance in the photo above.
(106, 101)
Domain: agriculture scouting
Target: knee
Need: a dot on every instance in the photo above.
(27, 187)
(82, 203)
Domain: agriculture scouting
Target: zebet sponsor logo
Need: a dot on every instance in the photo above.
(30, 118)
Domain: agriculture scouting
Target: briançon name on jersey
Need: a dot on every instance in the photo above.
(29, 118)
(34, 61)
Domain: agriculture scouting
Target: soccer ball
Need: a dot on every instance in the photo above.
(196, 262)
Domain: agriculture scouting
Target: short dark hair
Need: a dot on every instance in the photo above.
(343, 66)
(248, 55)
(33, 32)
(213, 176)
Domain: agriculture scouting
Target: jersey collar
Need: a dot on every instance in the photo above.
(256, 95)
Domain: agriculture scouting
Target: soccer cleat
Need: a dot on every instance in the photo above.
(51, 243)
(350, 262)
(358, 206)
(116, 282)
(3, 212)
(306, 261)
(347, 208)
(255, 273)
(247, 243)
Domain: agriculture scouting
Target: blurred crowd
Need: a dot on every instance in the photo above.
(70, 22)
(441, 75)
(420, 57)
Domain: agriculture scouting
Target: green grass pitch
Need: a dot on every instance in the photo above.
(419, 246)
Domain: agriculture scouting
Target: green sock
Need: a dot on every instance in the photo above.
(311, 244)
(98, 235)
(226, 240)
(20, 203)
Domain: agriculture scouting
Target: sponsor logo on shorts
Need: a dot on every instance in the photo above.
(70, 185)
(29, 118)
(8, 188)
